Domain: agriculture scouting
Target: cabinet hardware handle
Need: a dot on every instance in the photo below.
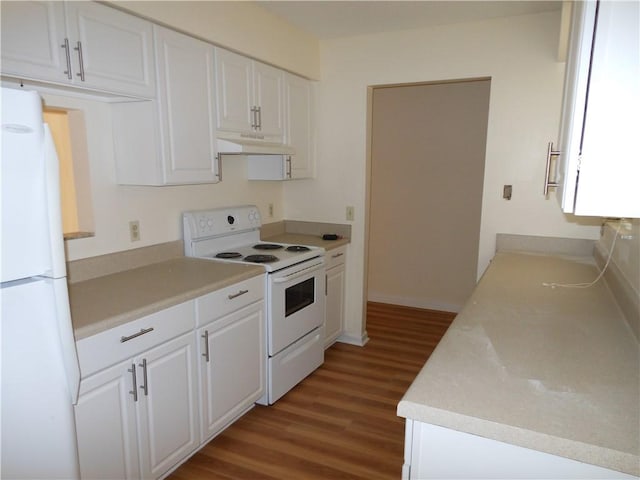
(219, 161)
(288, 173)
(206, 345)
(134, 392)
(254, 118)
(65, 45)
(259, 122)
(144, 377)
(141, 332)
(337, 255)
(81, 60)
(236, 295)
(550, 153)
(326, 286)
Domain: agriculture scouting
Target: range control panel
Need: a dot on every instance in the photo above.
(222, 221)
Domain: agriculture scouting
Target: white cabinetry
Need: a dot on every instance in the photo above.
(299, 134)
(250, 98)
(300, 126)
(232, 353)
(335, 284)
(83, 44)
(137, 415)
(171, 140)
(434, 452)
(597, 167)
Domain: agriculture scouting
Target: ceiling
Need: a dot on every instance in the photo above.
(335, 19)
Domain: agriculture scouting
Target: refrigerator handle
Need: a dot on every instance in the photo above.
(54, 213)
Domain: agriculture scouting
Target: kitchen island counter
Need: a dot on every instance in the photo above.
(105, 302)
(551, 369)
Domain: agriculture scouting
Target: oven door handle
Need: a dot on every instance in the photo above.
(293, 276)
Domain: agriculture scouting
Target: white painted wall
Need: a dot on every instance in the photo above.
(241, 26)
(518, 53)
(157, 209)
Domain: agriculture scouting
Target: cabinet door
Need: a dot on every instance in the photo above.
(168, 407)
(233, 367)
(234, 93)
(187, 106)
(597, 167)
(609, 166)
(269, 91)
(300, 131)
(110, 50)
(33, 36)
(334, 311)
(106, 425)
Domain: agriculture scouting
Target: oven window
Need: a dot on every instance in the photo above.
(299, 296)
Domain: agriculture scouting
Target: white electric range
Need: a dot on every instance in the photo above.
(294, 288)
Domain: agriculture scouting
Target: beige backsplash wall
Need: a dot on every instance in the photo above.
(623, 275)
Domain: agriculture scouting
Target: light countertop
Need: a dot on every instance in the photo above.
(551, 369)
(111, 300)
(305, 239)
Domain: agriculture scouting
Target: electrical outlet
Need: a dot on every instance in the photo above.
(271, 210)
(134, 230)
(350, 215)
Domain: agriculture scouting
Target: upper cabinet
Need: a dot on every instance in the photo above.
(250, 98)
(83, 44)
(598, 169)
(299, 134)
(300, 128)
(171, 140)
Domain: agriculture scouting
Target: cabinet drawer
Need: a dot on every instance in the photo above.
(125, 341)
(335, 257)
(228, 299)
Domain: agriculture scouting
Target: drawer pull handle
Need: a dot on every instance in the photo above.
(236, 295)
(337, 255)
(131, 337)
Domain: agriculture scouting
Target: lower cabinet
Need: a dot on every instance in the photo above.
(232, 367)
(335, 284)
(437, 453)
(139, 418)
(155, 389)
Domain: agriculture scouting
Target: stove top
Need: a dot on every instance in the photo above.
(233, 235)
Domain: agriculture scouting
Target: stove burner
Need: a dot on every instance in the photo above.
(267, 246)
(298, 248)
(228, 255)
(261, 258)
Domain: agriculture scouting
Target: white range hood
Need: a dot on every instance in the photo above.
(247, 146)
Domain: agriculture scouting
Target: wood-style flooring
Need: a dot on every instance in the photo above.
(338, 423)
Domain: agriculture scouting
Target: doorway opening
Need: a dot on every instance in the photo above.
(426, 175)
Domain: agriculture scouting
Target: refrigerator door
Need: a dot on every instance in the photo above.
(31, 242)
(38, 428)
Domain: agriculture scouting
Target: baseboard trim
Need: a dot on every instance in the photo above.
(359, 341)
(414, 302)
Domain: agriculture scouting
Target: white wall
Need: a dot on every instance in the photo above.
(518, 53)
(157, 209)
(241, 26)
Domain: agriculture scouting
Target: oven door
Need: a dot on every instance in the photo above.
(297, 303)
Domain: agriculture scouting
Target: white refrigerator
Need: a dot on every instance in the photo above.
(40, 371)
